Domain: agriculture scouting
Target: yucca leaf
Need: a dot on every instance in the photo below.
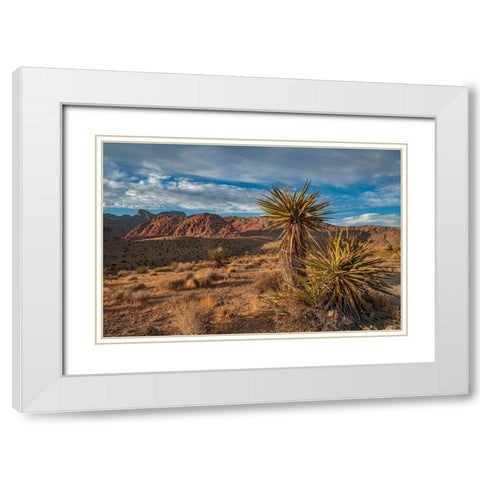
(341, 272)
(296, 214)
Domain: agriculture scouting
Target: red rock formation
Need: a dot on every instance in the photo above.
(159, 226)
(201, 225)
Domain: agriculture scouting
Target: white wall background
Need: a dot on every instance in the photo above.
(410, 41)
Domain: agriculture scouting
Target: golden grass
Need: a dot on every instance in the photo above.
(209, 302)
(189, 317)
(134, 294)
(232, 299)
(267, 280)
(192, 281)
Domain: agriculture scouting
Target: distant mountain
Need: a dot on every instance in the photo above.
(200, 225)
(208, 225)
(130, 221)
(159, 226)
(113, 229)
(376, 234)
(249, 226)
(117, 226)
(173, 213)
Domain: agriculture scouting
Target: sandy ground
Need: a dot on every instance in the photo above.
(195, 298)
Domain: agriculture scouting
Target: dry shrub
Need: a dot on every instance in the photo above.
(190, 284)
(215, 277)
(208, 303)
(176, 284)
(207, 264)
(121, 294)
(164, 269)
(135, 295)
(223, 320)
(189, 317)
(142, 269)
(184, 267)
(203, 281)
(152, 331)
(268, 280)
(192, 281)
(139, 298)
(271, 246)
(255, 306)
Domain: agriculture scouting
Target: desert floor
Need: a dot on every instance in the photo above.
(197, 297)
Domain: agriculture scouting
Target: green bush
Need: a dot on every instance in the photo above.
(342, 274)
(217, 255)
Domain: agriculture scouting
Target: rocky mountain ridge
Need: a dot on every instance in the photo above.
(209, 225)
(117, 226)
(202, 225)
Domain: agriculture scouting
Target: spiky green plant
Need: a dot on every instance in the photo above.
(341, 274)
(297, 214)
(217, 255)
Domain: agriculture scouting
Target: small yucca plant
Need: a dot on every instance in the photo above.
(341, 274)
(297, 214)
(217, 255)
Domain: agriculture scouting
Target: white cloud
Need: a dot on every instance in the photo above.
(160, 193)
(386, 196)
(164, 177)
(333, 167)
(371, 219)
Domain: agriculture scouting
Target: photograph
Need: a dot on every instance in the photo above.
(241, 240)
(212, 239)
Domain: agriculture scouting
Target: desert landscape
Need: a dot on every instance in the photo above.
(172, 274)
(219, 239)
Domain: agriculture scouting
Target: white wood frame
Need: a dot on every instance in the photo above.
(38, 97)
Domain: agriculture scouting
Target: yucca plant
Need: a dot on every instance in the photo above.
(341, 274)
(217, 255)
(297, 214)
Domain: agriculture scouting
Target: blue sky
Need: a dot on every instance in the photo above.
(363, 185)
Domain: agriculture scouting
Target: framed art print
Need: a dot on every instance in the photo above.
(218, 240)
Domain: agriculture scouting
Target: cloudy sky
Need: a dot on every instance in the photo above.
(363, 185)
